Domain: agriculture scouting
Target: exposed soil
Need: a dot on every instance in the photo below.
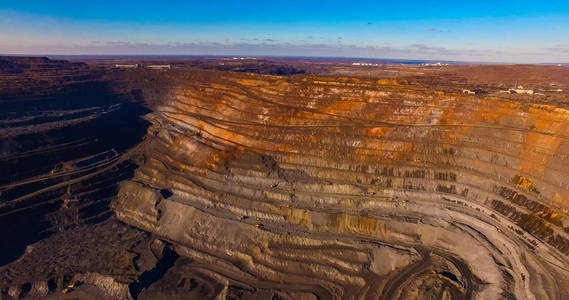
(282, 179)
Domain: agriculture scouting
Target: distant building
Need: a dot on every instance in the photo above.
(518, 89)
(126, 66)
(474, 91)
(365, 64)
(435, 64)
(521, 91)
(159, 67)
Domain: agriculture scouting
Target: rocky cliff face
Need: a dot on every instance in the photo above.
(334, 188)
(252, 186)
(63, 129)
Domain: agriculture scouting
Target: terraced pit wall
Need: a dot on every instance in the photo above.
(63, 129)
(347, 188)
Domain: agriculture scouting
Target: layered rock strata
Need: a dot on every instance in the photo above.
(336, 188)
(64, 128)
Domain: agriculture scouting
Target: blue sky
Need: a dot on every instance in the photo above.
(508, 31)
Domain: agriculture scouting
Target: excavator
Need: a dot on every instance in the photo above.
(68, 289)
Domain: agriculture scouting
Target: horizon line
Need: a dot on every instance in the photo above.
(393, 60)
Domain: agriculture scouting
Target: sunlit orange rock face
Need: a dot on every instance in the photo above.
(343, 188)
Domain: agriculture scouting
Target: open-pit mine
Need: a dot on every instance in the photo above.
(282, 179)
